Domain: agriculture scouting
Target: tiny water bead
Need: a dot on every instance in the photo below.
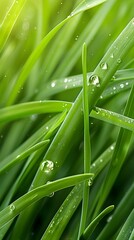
(104, 66)
(51, 194)
(109, 219)
(90, 182)
(112, 55)
(94, 80)
(12, 207)
(122, 85)
(118, 60)
(53, 84)
(47, 166)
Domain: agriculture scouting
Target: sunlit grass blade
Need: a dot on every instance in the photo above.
(87, 36)
(119, 155)
(17, 206)
(9, 21)
(91, 227)
(119, 216)
(87, 4)
(127, 228)
(34, 57)
(25, 109)
(87, 147)
(22, 156)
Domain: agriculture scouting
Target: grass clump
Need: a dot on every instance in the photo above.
(67, 120)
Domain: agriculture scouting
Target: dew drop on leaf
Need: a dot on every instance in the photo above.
(47, 166)
(12, 207)
(94, 80)
(104, 66)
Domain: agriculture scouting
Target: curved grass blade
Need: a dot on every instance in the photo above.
(87, 146)
(34, 57)
(71, 203)
(22, 156)
(9, 21)
(25, 109)
(85, 5)
(89, 230)
(17, 206)
(87, 36)
(132, 235)
(119, 155)
(128, 228)
(119, 216)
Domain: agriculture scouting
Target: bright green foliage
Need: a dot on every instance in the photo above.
(66, 119)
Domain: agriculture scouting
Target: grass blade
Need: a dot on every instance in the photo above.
(87, 147)
(16, 207)
(89, 230)
(9, 21)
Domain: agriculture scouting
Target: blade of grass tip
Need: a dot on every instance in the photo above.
(71, 203)
(17, 206)
(86, 4)
(119, 216)
(36, 54)
(73, 124)
(87, 35)
(119, 154)
(87, 147)
(22, 156)
(37, 107)
(89, 230)
(9, 21)
(128, 228)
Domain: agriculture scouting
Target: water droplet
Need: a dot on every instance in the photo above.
(94, 80)
(12, 207)
(109, 34)
(51, 194)
(114, 88)
(118, 60)
(109, 219)
(122, 85)
(113, 77)
(112, 147)
(76, 38)
(90, 182)
(47, 127)
(94, 165)
(53, 84)
(34, 117)
(65, 80)
(18, 156)
(126, 83)
(47, 166)
(101, 97)
(104, 66)
(101, 160)
(112, 55)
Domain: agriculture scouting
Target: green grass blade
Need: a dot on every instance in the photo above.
(22, 156)
(9, 21)
(119, 216)
(17, 206)
(25, 109)
(119, 155)
(127, 228)
(113, 118)
(89, 230)
(86, 4)
(87, 147)
(123, 80)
